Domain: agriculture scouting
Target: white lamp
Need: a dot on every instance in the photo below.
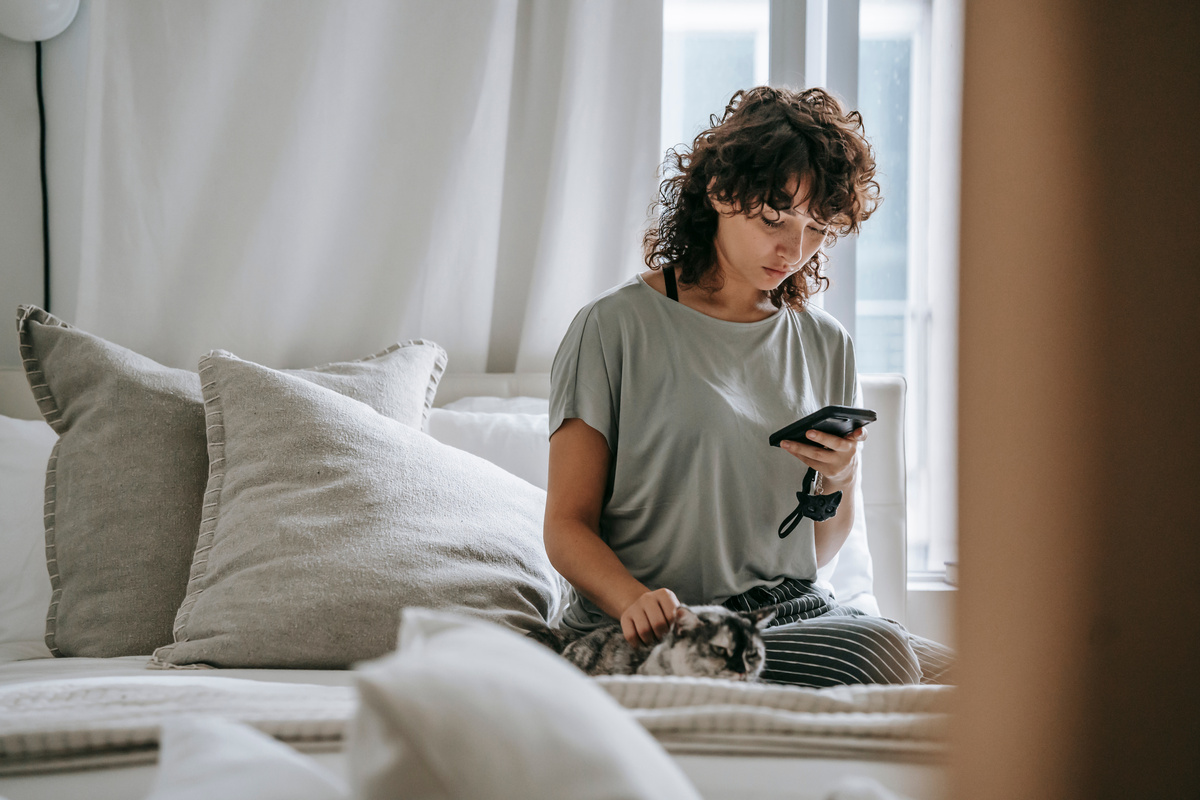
(36, 20)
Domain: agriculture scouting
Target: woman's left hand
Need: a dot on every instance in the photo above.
(836, 464)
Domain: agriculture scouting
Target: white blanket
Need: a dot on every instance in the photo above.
(75, 720)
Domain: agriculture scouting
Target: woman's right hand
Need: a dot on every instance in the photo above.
(648, 618)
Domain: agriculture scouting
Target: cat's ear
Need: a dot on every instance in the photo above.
(761, 616)
(685, 619)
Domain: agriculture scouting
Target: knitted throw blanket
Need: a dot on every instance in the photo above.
(85, 722)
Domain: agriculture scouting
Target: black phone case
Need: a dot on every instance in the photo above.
(838, 420)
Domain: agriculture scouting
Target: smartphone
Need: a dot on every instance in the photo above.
(838, 420)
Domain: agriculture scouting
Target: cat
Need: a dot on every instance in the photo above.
(703, 642)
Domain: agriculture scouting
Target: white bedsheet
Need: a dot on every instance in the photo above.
(733, 740)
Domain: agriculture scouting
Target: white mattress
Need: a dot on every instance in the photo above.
(912, 771)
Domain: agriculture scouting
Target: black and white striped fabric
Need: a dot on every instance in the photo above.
(815, 642)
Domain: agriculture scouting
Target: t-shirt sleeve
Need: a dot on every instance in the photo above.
(585, 378)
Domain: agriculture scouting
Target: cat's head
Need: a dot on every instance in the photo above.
(714, 642)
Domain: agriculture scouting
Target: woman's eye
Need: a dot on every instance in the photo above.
(773, 223)
(819, 232)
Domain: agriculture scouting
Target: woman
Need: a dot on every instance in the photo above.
(662, 487)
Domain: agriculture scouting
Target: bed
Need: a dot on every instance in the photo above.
(88, 727)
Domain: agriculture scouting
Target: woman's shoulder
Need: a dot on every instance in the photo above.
(820, 323)
(629, 293)
(623, 300)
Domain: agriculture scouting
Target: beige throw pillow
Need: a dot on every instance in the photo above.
(324, 519)
(125, 482)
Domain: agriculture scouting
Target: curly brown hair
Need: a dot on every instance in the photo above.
(766, 140)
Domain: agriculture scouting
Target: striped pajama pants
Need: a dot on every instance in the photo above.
(815, 642)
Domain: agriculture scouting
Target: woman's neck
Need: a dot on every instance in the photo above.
(732, 302)
(735, 301)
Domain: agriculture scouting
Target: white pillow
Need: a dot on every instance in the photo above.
(466, 709)
(25, 447)
(204, 757)
(516, 442)
(505, 405)
(850, 574)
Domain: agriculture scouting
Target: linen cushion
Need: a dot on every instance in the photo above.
(125, 482)
(324, 519)
(25, 447)
(469, 710)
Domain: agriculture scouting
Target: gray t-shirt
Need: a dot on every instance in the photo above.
(687, 402)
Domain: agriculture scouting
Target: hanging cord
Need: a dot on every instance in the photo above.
(37, 46)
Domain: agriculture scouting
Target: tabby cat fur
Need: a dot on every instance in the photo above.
(703, 642)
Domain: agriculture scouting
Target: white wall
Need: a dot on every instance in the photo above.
(20, 190)
(64, 70)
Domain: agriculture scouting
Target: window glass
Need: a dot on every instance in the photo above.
(711, 48)
(892, 307)
(883, 99)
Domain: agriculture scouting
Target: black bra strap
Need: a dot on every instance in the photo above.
(669, 276)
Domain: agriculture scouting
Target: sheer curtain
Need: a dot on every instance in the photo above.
(303, 182)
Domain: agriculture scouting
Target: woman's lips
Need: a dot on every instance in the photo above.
(776, 273)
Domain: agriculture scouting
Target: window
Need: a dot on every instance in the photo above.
(711, 48)
(892, 304)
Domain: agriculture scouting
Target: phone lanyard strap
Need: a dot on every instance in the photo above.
(669, 277)
(817, 507)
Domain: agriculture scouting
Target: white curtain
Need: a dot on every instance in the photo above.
(300, 182)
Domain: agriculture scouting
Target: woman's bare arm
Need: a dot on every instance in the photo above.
(579, 460)
(831, 534)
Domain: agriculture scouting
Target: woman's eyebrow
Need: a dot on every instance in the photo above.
(796, 212)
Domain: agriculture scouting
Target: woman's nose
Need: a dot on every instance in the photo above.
(792, 250)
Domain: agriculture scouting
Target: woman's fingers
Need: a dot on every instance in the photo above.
(648, 619)
(816, 442)
(809, 453)
(636, 626)
(839, 443)
(645, 628)
(830, 462)
(667, 603)
(630, 631)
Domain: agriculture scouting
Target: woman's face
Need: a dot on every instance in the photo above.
(763, 250)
